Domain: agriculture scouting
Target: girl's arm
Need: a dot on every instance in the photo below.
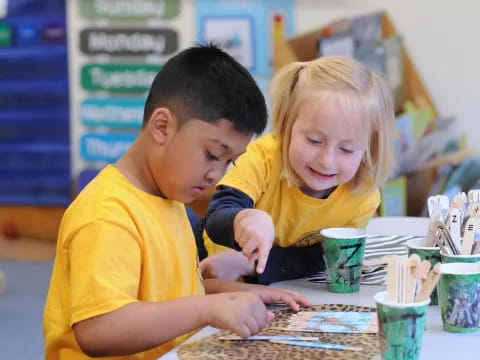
(292, 263)
(224, 205)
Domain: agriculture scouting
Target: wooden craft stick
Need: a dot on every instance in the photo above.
(471, 209)
(467, 242)
(445, 233)
(402, 287)
(455, 225)
(413, 263)
(476, 248)
(270, 337)
(458, 201)
(430, 283)
(422, 274)
(470, 195)
(392, 262)
(444, 204)
(318, 345)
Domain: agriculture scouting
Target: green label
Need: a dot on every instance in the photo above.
(129, 9)
(459, 302)
(5, 35)
(401, 331)
(343, 258)
(118, 77)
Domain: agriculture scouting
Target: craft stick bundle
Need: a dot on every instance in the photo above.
(455, 226)
(409, 279)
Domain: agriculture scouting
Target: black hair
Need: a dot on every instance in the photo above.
(205, 83)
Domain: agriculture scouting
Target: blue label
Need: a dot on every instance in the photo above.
(112, 112)
(105, 147)
(27, 34)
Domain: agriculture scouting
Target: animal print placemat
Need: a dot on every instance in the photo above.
(212, 348)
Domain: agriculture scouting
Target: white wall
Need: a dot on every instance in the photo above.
(440, 37)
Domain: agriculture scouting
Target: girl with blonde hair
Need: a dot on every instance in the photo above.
(330, 150)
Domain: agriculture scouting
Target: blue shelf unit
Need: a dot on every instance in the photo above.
(34, 111)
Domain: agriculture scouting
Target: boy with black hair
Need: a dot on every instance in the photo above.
(125, 281)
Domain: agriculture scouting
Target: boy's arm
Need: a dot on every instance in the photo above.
(139, 326)
(224, 205)
(266, 293)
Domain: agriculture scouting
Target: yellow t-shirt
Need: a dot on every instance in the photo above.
(297, 217)
(117, 245)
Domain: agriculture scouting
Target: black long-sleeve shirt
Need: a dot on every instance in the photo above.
(283, 263)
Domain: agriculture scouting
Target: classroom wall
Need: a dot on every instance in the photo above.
(439, 36)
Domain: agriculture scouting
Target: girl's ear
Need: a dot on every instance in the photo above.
(162, 125)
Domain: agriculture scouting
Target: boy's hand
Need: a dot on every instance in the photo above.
(228, 264)
(254, 233)
(243, 313)
(270, 295)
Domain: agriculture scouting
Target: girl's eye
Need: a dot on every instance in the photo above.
(347, 151)
(314, 141)
(210, 156)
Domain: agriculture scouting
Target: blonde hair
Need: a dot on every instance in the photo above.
(359, 87)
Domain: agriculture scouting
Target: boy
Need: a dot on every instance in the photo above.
(125, 281)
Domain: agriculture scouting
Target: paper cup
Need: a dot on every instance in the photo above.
(447, 258)
(400, 328)
(459, 297)
(432, 254)
(343, 252)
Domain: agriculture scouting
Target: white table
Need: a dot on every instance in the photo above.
(437, 344)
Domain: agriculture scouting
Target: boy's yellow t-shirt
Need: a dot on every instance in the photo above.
(117, 245)
(297, 217)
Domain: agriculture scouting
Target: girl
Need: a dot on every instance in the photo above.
(331, 150)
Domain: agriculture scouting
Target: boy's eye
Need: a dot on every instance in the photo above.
(210, 156)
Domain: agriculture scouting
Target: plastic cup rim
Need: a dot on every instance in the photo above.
(460, 269)
(419, 247)
(466, 256)
(380, 299)
(351, 233)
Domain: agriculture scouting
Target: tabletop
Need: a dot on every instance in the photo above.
(437, 344)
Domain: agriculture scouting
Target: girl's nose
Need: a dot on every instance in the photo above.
(327, 158)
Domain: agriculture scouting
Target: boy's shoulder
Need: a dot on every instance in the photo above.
(107, 193)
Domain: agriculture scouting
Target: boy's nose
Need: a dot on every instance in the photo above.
(214, 174)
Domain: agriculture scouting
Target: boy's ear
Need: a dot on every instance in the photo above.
(162, 125)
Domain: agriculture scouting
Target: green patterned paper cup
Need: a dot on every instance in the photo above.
(343, 250)
(432, 254)
(400, 328)
(459, 297)
(447, 258)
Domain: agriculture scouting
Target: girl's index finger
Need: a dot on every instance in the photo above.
(262, 260)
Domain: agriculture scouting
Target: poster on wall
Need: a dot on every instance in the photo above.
(246, 29)
(116, 47)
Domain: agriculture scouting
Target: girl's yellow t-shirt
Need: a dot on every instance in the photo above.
(117, 245)
(297, 217)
